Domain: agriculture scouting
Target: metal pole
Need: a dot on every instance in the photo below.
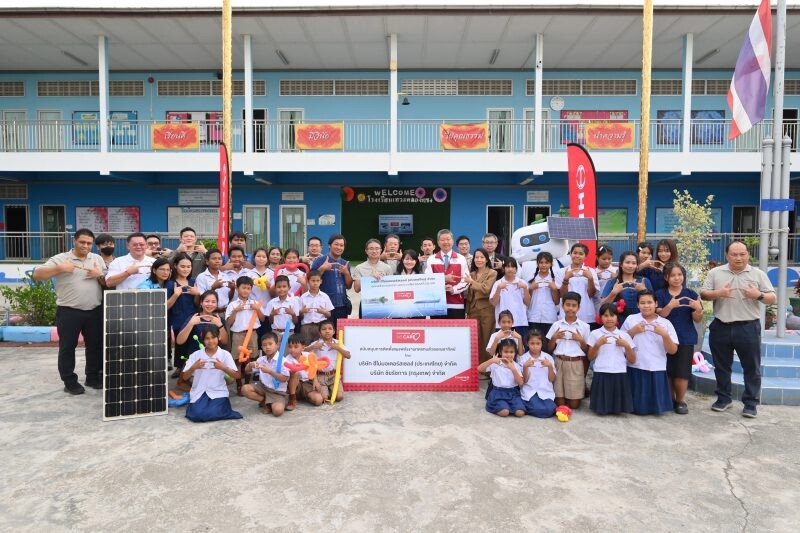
(227, 94)
(777, 120)
(766, 188)
(537, 98)
(644, 134)
(783, 257)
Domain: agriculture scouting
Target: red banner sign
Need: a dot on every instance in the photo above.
(319, 136)
(582, 191)
(224, 176)
(175, 136)
(609, 135)
(464, 136)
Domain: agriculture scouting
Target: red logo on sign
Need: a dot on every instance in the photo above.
(404, 295)
(408, 336)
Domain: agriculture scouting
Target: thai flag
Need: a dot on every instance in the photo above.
(747, 97)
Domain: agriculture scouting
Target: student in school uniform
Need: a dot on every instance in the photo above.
(503, 398)
(315, 307)
(214, 279)
(567, 341)
(543, 308)
(580, 278)
(238, 316)
(538, 376)
(270, 397)
(283, 309)
(655, 337)
(611, 350)
(510, 293)
(208, 398)
(325, 346)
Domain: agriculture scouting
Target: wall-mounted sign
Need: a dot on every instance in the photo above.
(198, 196)
(319, 136)
(537, 196)
(464, 136)
(175, 136)
(292, 196)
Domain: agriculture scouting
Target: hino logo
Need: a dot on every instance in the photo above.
(580, 177)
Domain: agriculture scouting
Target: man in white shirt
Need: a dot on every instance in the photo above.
(128, 271)
(454, 267)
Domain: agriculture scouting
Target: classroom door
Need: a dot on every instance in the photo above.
(259, 130)
(500, 130)
(256, 223)
(49, 131)
(53, 226)
(790, 124)
(14, 139)
(287, 118)
(293, 227)
(16, 241)
(499, 220)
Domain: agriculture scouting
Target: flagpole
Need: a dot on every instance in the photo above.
(644, 134)
(780, 178)
(227, 93)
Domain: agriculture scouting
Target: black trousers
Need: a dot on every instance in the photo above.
(745, 339)
(70, 324)
(336, 314)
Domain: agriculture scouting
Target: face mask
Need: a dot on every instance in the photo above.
(107, 250)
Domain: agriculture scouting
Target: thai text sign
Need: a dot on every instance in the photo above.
(410, 355)
(175, 136)
(464, 136)
(415, 296)
(609, 135)
(319, 136)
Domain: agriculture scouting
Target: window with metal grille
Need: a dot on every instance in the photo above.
(12, 88)
(13, 191)
(125, 88)
(666, 88)
(557, 87)
(67, 88)
(710, 87)
(791, 87)
(306, 87)
(608, 87)
(361, 87)
(422, 87)
(184, 87)
(485, 88)
(259, 88)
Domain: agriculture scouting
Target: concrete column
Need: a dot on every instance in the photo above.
(393, 103)
(688, 61)
(102, 68)
(248, 94)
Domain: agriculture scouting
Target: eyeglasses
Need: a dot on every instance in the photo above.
(138, 244)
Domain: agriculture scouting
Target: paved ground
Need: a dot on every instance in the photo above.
(385, 462)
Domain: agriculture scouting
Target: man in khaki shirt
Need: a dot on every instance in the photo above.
(737, 290)
(79, 295)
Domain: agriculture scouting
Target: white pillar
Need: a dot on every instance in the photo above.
(102, 68)
(248, 94)
(392, 102)
(688, 59)
(537, 95)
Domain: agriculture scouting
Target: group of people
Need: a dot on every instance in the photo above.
(633, 322)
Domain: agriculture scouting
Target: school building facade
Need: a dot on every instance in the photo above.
(366, 120)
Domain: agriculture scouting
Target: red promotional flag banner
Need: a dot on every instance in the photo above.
(582, 191)
(222, 232)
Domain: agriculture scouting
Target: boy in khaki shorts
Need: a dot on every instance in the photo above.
(270, 399)
(319, 389)
(568, 345)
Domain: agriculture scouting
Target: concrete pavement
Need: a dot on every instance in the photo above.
(385, 462)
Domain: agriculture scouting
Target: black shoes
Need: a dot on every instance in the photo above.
(681, 408)
(721, 405)
(74, 388)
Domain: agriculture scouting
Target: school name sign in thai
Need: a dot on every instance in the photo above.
(415, 296)
(175, 136)
(410, 355)
(464, 136)
(329, 136)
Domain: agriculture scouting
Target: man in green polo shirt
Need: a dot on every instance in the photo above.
(737, 290)
(79, 295)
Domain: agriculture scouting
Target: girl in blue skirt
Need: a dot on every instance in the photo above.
(504, 398)
(611, 350)
(655, 337)
(208, 399)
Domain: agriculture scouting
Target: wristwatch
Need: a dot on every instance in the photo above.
(760, 297)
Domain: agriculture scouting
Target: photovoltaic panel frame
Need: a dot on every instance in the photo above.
(134, 353)
(572, 229)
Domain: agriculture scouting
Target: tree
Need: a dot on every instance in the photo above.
(693, 232)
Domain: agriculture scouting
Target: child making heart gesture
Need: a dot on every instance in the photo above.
(611, 350)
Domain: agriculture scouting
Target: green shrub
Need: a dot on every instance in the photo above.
(34, 300)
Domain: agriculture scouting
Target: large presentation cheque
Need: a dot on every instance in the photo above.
(415, 296)
(410, 355)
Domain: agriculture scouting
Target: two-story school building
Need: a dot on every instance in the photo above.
(368, 119)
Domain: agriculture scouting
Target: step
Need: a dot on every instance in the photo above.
(774, 367)
(774, 390)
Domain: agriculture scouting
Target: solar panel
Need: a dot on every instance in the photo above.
(573, 229)
(134, 353)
